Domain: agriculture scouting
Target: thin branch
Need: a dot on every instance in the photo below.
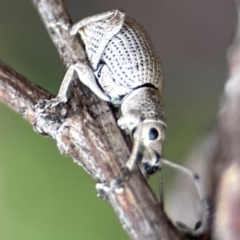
(19, 93)
(227, 158)
(85, 129)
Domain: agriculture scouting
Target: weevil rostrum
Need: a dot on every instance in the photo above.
(127, 72)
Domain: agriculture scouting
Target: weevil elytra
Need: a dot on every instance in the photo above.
(127, 72)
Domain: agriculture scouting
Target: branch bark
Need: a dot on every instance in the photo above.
(85, 129)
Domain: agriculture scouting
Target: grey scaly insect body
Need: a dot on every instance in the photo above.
(127, 72)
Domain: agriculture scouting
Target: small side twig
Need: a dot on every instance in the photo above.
(19, 93)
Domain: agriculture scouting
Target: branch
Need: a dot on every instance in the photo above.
(227, 157)
(19, 93)
(85, 129)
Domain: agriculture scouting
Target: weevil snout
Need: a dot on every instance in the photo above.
(151, 162)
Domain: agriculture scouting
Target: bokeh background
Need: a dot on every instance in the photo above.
(44, 195)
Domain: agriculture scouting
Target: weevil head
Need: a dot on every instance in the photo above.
(143, 116)
(151, 135)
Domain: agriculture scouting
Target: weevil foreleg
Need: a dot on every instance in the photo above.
(137, 132)
(134, 155)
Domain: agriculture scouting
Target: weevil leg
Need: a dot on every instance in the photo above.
(134, 155)
(62, 93)
(103, 191)
(200, 226)
(116, 19)
(116, 16)
(135, 149)
(87, 77)
(160, 182)
(102, 27)
(55, 23)
(116, 187)
(130, 121)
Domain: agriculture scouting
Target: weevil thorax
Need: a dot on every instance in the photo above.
(143, 116)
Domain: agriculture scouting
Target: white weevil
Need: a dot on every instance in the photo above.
(128, 73)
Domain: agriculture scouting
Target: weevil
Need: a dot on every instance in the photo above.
(127, 72)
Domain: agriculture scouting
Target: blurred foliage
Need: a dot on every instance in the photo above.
(44, 195)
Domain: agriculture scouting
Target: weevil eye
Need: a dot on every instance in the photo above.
(153, 134)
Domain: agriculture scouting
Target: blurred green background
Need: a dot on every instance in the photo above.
(44, 195)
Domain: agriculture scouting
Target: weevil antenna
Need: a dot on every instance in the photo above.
(136, 148)
(202, 228)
